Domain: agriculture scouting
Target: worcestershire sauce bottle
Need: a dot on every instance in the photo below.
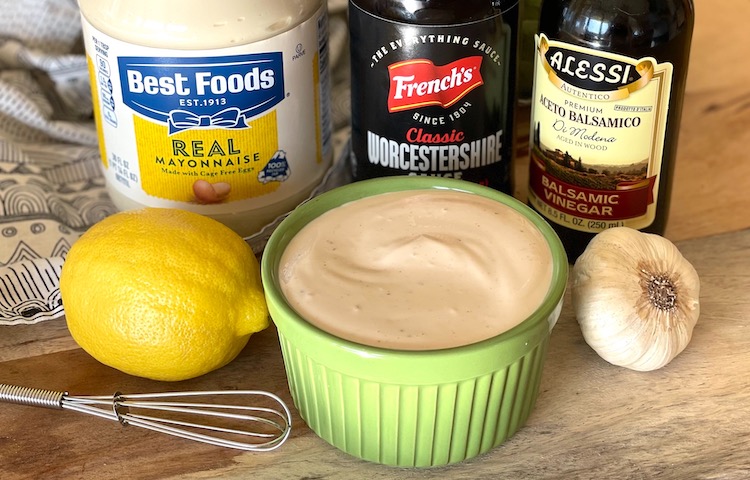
(433, 88)
(605, 114)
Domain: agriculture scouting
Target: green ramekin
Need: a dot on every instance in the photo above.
(411, 408)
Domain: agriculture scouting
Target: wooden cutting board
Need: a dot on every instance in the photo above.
(689, 420)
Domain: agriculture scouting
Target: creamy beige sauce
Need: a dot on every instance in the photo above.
(417, 270)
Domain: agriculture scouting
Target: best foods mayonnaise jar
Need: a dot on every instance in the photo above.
(222, 108)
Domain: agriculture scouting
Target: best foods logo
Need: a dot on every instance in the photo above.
(215, 92)
(419, 82)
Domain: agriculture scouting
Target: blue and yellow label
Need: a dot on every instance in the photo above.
(216, 131)
(186, 93)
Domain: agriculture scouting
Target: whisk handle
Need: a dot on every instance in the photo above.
(31, 396)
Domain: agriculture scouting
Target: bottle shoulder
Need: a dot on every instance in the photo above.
(188, 24)
(623, 26)
(429, 12)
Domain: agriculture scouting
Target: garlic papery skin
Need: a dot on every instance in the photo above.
(636, 298)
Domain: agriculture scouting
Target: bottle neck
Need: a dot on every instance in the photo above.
(435, 12)
(618, 25)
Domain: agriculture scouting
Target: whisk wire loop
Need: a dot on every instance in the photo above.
(206, 410)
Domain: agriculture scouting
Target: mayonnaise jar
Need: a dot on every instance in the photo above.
(222, 108)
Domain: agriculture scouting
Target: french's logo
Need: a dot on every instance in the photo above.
(419, 83)
(216, 92)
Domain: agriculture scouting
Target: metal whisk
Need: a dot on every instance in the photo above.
(179, 413)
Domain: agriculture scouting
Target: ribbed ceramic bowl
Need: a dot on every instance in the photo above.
(411, 408)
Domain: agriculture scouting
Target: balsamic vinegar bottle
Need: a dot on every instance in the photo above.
(609, 83)
(432, 90)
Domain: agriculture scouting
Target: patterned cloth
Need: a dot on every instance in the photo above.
(51, 185)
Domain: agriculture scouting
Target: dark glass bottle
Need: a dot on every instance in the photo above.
(432, 85)
(608, 91)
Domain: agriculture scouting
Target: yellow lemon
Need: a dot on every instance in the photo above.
(162, 293)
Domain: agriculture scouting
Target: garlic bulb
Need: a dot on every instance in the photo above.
(635, 298)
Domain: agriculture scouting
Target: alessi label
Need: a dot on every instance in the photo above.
(209, 130)
(432, 100)
(597, 129)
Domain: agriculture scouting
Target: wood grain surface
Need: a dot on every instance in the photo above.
(689, 420)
